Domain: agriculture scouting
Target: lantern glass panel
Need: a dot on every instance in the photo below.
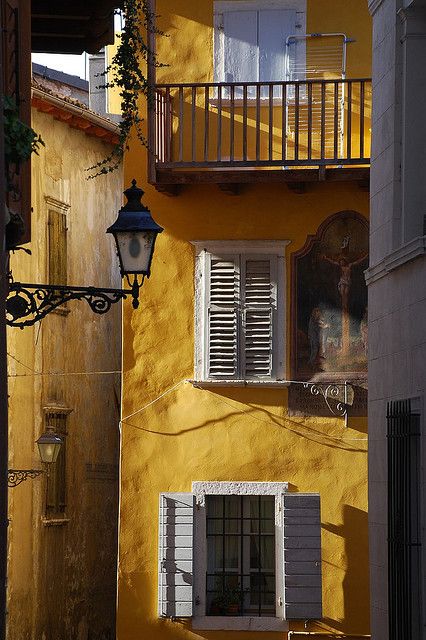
(49, 446)
(135, 249)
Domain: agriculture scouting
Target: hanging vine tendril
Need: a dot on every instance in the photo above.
(126, 74)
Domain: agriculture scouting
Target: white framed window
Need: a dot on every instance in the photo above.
(240, 555)
(250, 39)
(240, 311)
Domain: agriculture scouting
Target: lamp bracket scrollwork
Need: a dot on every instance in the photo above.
(26, 304)
(16, 476)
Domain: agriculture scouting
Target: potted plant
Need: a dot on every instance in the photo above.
(227, 601)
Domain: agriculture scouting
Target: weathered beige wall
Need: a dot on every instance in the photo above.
(62, 576)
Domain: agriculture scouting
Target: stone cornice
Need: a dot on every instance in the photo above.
(408, 252)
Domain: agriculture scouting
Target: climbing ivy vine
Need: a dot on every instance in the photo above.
(126, 73)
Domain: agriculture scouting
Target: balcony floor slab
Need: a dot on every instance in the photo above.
(172, 181)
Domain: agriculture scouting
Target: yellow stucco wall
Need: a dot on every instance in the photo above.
(61, 582)
(230, 433)
(113, 97)
(188, 47)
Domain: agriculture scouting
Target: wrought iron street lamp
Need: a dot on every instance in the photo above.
(135, 234)
(49, 444)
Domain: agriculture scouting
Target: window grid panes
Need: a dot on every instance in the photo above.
(240, 555)
(56, 479)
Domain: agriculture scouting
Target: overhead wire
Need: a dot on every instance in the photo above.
(34, 373)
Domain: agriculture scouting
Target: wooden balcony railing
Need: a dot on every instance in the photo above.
(309, 123)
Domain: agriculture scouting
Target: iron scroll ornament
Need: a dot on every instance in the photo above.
(26, 304)
(340, 394)
(16, 476)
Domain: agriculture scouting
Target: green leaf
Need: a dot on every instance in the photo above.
(20, 140)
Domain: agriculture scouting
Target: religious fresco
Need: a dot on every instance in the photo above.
(330, 301)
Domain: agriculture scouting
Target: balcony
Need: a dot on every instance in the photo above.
(236, 133)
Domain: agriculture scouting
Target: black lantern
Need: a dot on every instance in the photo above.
(49, 444)
(135, 233)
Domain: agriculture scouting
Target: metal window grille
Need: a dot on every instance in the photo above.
(56, 480)
(404, 540)
(241, 555)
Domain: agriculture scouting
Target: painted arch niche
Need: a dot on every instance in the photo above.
(330, 301)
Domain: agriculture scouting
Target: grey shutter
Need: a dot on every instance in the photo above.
(175, 579)
(259, 300)
(223, 313)
(241, 51)
(302, 556)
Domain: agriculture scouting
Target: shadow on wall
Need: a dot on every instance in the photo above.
(355, 585)
(256, 401)
(248, 402)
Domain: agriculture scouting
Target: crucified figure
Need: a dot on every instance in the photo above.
(343, 287)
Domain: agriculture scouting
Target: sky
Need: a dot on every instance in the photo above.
(74, 65)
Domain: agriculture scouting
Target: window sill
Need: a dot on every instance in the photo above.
(54, 522)
(268, 384)
(238, 623)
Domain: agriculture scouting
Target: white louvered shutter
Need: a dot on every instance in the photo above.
(259, 305)
(302, 556)
(176, 571)
(223, 317)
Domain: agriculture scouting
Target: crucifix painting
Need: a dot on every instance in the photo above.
(345, 265)
(330, 300)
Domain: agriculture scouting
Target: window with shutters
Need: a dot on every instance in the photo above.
(56, 489)
(240, 555)
(57, 249)
(250, 39)
(240, 311)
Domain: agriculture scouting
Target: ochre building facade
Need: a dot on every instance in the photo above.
(243, 507)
